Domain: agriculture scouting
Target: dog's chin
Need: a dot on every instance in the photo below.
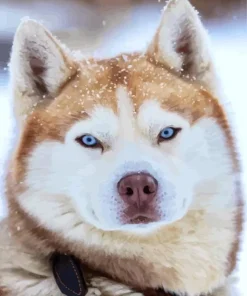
(137, 226)
(141, 219)
(142, 225)
(138, 223)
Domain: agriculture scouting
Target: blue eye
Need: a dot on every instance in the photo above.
(168, 133)
(88, 141)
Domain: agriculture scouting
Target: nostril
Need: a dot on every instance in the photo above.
(129, 191)
(147, 190)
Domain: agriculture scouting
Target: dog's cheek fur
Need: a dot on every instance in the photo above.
(207, 154)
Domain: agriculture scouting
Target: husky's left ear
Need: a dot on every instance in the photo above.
(39, 66)
(181, 43)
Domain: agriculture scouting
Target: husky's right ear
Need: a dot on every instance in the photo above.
(182, 44)
(39, 66)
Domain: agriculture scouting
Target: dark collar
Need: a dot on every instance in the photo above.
(70, 279)
(68, 275)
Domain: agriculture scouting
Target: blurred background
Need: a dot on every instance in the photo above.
(106, 27)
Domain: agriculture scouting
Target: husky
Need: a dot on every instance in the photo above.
(128, 165)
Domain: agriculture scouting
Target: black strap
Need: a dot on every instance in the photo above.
(68, 275)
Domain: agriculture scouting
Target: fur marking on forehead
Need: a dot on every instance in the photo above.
(125, 111)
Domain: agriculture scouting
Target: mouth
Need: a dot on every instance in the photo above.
(141, 216)
(140, 220)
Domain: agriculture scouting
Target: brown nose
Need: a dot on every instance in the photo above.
(138, 189)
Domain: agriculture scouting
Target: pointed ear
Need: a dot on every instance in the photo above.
(39, 66)
(181, 43)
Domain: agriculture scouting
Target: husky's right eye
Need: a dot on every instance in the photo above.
(89, 141)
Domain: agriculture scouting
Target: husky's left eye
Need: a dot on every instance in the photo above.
(168, 133)
(89, 141)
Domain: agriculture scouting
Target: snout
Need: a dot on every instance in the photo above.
(138, 191)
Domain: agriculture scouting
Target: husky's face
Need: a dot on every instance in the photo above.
(120, 144)
(132, 165)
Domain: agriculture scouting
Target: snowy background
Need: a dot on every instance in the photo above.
(106, 27)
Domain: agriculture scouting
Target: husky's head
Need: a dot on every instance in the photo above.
(120, 144)
(127, 145)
